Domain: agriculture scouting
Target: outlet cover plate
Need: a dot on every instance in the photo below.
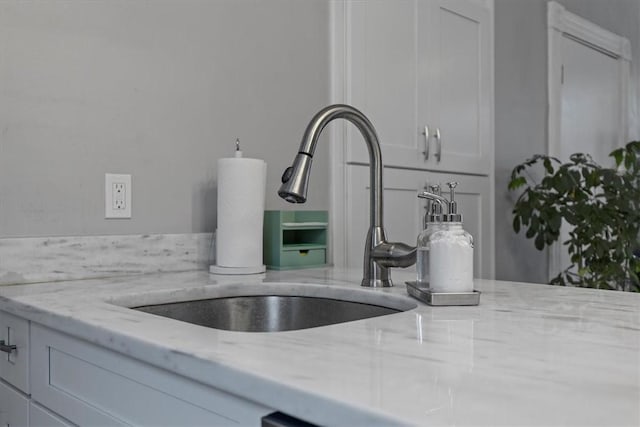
(117, 195)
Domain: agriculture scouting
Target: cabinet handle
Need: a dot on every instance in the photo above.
(439, 144)
(427, 137)
(7, 348)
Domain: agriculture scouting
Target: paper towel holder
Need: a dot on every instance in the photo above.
(255, 268)
(234, 271)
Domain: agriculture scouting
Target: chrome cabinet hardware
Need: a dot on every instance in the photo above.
(6, 348)
(427, 137)
(438, 138)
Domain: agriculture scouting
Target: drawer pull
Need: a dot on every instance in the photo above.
(7, 348)
(427, 137)
(438, 138)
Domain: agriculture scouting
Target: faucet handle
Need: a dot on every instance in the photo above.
(452, 185)
(453, 216)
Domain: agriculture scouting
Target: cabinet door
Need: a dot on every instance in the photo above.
(14, 366)
(91, 385)
(455, 84)
(421, 71)
(14, 407)
(381, 77)
(404, 211)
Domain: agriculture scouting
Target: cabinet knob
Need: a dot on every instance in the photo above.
(7, 348)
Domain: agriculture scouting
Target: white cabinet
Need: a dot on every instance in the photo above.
(91, 385)
(14, 371)
(416, 65)
(14, 361)
(14, 407)
(53, 379)
(455, 81)
(421, 71)
(404, 211)
(381, 76)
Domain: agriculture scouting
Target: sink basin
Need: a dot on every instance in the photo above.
(280, 307)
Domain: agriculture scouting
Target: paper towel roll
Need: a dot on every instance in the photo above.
(241, 190)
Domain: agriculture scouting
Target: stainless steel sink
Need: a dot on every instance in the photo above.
(273, 310)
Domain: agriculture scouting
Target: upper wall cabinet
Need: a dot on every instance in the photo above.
(421, 71)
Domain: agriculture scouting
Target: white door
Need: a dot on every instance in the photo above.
(588, 80)
(591, 102)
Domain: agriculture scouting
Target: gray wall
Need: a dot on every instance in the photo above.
(521, 106)
(161, 90)
(158, 89)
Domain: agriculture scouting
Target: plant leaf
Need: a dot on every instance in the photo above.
(517, 183)
(618, 155)
(554, 223)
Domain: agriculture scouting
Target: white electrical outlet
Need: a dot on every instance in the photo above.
(117, 195)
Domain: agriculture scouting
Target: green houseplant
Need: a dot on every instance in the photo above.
(601, 207)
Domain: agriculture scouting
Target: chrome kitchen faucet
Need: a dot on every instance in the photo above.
(379, 255)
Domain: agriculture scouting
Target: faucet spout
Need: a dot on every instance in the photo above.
(395, 254)
(379, 254)
(295, 178)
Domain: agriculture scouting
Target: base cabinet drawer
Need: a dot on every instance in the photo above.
(14, 407)
(41, 417)
(14, 361)
(91, 385)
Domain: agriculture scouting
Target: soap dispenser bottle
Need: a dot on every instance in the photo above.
(451, 253)
(432, 223)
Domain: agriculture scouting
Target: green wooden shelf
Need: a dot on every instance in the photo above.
(295, 239)
(302, 246)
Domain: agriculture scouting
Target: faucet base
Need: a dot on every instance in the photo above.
(377, 283)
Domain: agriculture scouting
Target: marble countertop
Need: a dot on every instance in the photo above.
(527, 355)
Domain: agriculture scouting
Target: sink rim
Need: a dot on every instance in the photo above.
(267, 313)
(372, 296)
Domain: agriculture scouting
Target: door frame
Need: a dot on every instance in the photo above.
(561, 23)
(339, 68)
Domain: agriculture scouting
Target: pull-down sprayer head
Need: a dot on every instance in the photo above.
(295, 179)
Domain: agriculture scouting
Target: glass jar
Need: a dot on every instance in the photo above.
(450, 251)
(422, 255)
